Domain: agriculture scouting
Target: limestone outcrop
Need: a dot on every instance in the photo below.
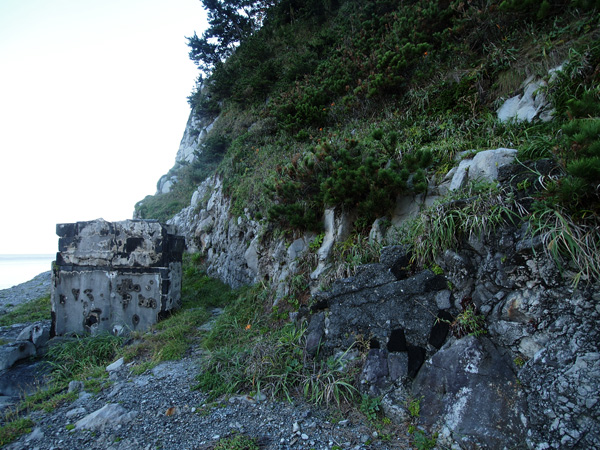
(530, 103)
(195, 132)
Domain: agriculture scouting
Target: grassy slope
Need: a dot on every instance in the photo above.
(379, 92)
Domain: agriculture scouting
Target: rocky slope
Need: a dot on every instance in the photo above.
(527, 381)
(158, 410)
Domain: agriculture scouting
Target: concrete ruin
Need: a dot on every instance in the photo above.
(114, 277)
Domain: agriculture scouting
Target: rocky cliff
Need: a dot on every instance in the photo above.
(498, 346)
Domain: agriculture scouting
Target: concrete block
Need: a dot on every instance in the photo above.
(114, 277)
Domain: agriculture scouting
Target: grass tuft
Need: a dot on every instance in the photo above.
(28, 312)
(12, 430)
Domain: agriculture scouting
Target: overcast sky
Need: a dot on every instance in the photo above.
(93, 105)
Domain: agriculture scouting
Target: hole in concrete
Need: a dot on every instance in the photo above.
(397, 341)
(135, 320)
(374, 343)
(133, 243)
(93, 317)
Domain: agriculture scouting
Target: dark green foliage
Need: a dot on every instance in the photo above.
(203, 104)
(366, 50)
(541, 9)
(230, 22)
(417, 78)
(364, 177)
(588, 105)
(582, 155)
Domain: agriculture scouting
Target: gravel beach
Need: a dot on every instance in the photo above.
(159, 410)
(37, 287)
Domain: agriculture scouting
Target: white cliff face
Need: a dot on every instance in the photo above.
(195, 131)
(238, 250)
(190, 146)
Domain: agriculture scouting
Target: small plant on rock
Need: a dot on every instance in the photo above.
(414, 407)
(370, 407)
(468, 323)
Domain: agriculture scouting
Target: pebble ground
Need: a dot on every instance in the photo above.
(160, 411)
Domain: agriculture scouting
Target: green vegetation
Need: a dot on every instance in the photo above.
(262, 357)
(468, 323)
(81, 356)
(237, 442)
(11, 431)
(28, 312)
(419, 439)
(349, 104)
(414, 407)
(370, 407)
(474, 212)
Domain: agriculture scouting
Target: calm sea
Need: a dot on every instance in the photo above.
(16, 269)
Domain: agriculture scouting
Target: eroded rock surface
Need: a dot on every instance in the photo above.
(114, 277)
(469, 391)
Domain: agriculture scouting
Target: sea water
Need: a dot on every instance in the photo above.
(16, 269)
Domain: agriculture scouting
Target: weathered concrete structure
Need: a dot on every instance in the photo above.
(114, 277)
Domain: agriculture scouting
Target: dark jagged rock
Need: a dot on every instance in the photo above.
(532, 323)
(315, 333)
(372, 306)
(469, 391)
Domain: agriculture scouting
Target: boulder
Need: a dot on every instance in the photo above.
(470, 394)
(375, 371)
(483, 167)
(37, 333)
(531, 103)
(315, 333)
(16, 351)
(373, 304)
(23, 378)
(109, 416)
